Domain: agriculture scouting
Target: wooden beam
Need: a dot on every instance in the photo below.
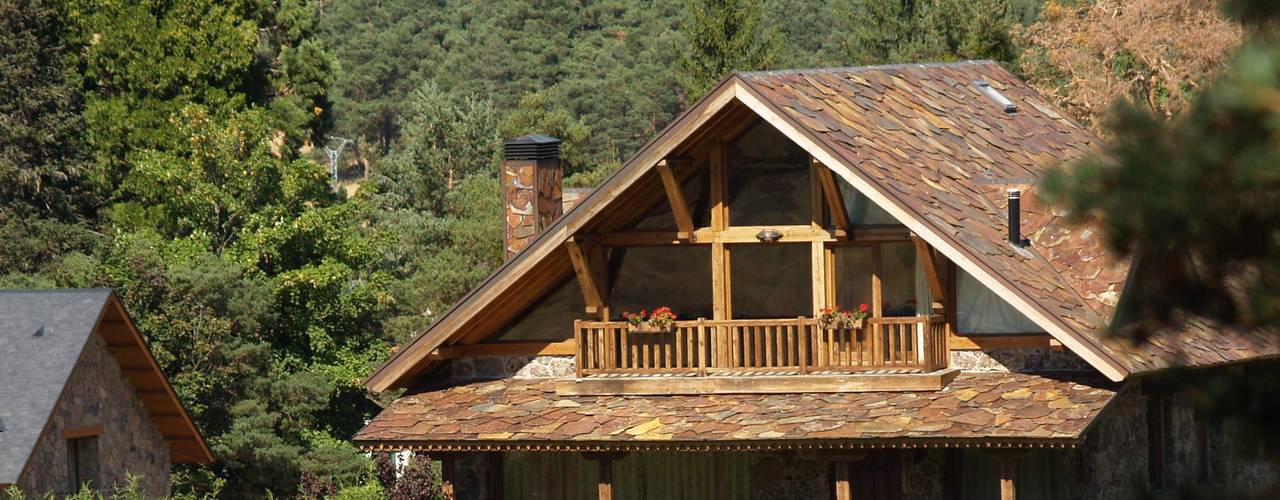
(521, 348)
(708, 235)
(831, 192)
(84, 431)
(718, 178)
(719, 282)
(448, 476)
(817, 216)
(675, 196)
(604, 484)
(843, 487)
(592, 290)
(757, 384)
(1008, 476)
(932, 274)
(818, 269)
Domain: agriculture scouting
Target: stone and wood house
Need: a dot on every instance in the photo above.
(980, 372)
(82, 400)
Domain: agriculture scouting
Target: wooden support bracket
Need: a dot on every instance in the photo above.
(932, 268)
(588, 265)
(835, 200)
(675, 196)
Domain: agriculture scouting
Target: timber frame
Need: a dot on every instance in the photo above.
(695, 137)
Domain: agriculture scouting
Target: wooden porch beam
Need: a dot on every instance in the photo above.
(718, 178)
(562, 348)
(589, 280)
(1009, 476)
(932, 273)
(843, 485)
(708, 235)
(831, 191)
(675, 196)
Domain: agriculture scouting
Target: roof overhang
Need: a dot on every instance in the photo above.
(126, 345)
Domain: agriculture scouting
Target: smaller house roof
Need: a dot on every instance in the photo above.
(987, 409)
(42, 335)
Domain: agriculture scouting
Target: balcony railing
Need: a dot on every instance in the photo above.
(766, 346)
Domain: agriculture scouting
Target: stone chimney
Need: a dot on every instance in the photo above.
(531, 193)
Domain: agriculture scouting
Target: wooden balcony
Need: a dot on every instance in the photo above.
(769, 355)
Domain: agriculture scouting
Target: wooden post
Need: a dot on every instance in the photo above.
(1008, 476)
(581, 339)
(818, 263)
(803, 332)
(605, 484)
(843, 485)
(448, 476)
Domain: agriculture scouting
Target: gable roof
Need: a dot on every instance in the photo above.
(926, 144)
(42, 336)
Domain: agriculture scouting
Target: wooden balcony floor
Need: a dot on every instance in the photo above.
(758, 382)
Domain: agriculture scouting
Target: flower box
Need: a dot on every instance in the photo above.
(650, 329)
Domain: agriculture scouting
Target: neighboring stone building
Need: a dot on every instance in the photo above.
(82, 400)
(981, 371)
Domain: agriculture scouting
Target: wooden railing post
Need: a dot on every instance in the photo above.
(582, 346)
(803, 332)
(704, 345)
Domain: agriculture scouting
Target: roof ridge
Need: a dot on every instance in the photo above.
(872, 67)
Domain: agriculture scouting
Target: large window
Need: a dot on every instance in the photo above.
(768, 179)
(771, 281)
(979, 310)
(550, 318)
(677, 277)
(82, 463)
(903, 289)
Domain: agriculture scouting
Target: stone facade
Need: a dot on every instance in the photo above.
(1023, 360)
(522, 367)
(531, 195)
(98, 393)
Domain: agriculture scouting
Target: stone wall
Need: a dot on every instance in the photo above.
(98, 393)
(495, 367)
(1035, 359)
(531, 195)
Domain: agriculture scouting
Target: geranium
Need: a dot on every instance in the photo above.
(841, 319)
(662, 318)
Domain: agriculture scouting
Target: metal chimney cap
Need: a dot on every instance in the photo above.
(1015, 193)
(531, 147)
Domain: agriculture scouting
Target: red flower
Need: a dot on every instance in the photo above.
(862, 307)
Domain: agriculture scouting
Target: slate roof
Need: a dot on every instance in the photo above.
(1009, 408)
(928, 136)
(42, 333)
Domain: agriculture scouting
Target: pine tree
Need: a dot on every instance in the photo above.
(720, 37)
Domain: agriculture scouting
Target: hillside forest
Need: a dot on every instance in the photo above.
(175, 151)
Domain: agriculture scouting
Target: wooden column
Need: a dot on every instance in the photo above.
(1009, 475)
(604, 485)
(843, 487)
(818, 257)
(448, 476)
(604, 481)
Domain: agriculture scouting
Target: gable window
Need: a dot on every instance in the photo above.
(768, 179)
(770, 281)
(861, 210)
(979, 310)
(903, 289)
(82, 463)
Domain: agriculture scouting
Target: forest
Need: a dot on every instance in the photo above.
(174, 151)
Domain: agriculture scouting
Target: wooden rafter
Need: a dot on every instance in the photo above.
(594, 291)
(831, 192)
(707, 236)
(675, 196)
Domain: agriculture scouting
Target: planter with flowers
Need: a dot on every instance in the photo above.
(841, 319)
(661, 320)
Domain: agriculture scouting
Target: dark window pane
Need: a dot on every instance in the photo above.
(676, 277)
(980, 310)
(768, 179)
(550, 318)
(771, 281)
(861, 210)
(898, 279)
(854, 266)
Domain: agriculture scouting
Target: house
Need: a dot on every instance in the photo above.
(981, 372)
(82, 400)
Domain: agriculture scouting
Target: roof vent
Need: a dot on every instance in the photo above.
(39, 332)
(1015, 219)
(995, 95)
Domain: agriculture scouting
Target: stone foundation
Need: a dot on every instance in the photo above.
(98, 393)
(1019, 360)
(524, 367)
